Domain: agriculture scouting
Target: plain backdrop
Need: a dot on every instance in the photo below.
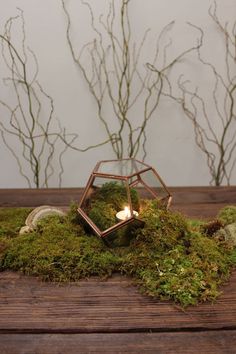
(171, 148)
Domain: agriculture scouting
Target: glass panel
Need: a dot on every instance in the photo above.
(121, 167)
(145, 194)
(153, 184)
(105, 198)
(142, 193)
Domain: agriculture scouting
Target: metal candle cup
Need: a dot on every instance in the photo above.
(125, 214)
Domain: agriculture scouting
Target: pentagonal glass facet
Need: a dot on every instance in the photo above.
(105, 197)
(152, 182)
(125, 167)
(115, 191)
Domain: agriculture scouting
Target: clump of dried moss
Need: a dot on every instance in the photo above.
(211, 227)
(170, 257)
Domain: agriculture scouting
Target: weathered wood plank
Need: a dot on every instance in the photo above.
(196, 195)
(196, 202)
(199, 211)
(63, 196)
(213, 342)
(30, 306)
(36, 197)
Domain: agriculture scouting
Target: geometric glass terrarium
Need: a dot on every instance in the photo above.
(113, 193)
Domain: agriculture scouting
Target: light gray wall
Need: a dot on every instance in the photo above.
(171, 148)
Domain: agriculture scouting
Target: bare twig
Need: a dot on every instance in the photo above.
(110, 65)
(40, 142)
(215, 134)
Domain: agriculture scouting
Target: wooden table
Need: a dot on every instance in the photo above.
(111, 316)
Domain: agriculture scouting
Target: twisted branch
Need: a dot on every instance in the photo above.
(110, 65)
(219, 148)
(32, 125)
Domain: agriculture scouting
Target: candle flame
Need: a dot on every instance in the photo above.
(127, 212)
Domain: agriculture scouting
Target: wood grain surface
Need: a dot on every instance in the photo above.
(156, 343)
(203, 202)
(28, 305)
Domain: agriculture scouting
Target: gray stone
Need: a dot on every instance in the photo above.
(228, 233)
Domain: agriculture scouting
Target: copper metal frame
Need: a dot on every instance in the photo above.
(95, 173)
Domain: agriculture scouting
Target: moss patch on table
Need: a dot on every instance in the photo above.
(170, 257)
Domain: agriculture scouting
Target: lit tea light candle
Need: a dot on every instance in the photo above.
(125, 214)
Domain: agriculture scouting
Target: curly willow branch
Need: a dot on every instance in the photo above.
(29, 121)
(218, 147)
(110, 65)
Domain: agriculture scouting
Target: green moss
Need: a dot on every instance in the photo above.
(102, 214)
(227, 215)
(162, 228)
(115, 194)
(170, 257)
(103, 206)
(73, 216)
(195, 224)
(11, 220)
(59, 251)
(171, 260)
(187, 272)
